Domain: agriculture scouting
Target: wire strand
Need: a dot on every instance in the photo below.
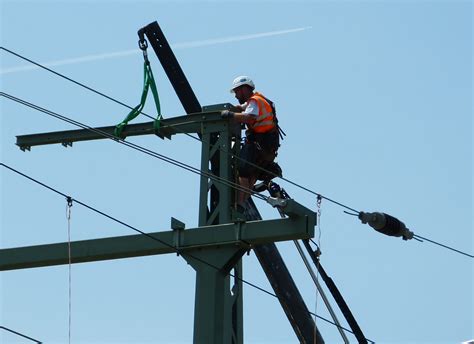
(135, 146)
(181, 164)
(201, 140)
(20, 334)
(70, 79)
(192, 169)
(445, 246)
(191, 136)
(161, 241)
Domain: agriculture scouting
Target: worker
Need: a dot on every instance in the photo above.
(262, 138)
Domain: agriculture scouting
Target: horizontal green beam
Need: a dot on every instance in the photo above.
(243, 233)
(192, 123)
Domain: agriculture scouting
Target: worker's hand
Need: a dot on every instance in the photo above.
(227, 114)
(240, 107)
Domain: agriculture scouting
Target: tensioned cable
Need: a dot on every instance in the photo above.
(69, 79)
(135, 146)
(195, 138)
(20, 334)
(264, 170)
(181, 164)
(115, 139)
(254, 165)
(445, 246)
(158, 240)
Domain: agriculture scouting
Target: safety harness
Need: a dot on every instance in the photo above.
(274, 118)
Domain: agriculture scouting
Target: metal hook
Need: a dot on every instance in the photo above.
(142, 44)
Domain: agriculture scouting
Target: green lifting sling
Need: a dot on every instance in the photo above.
(148, 82)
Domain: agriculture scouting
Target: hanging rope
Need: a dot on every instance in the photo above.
(318, 253)
(68, 216)
(148, 83)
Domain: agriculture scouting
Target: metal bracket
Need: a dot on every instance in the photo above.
(291, 208)
(176, 224)
(178, 228)
(277, 202)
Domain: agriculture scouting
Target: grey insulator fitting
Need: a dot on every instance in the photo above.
(276, 202)
(386, 224)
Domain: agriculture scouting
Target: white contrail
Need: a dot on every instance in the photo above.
(176, 46)
(235, 38)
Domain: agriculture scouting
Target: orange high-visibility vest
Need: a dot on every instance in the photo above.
(265, 120)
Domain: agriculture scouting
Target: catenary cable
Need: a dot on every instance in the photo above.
(69, 79)
(445, 246)
(183, 165)
(156, 239)
(86, 127)
(193, 137)
(287, 180)
(198, 171)
(135, 146)
(20, 334)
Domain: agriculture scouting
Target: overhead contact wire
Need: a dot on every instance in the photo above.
(69, 79)
(195, 138)
(445, 246)
(159, 240)
(20, 334)
(201, 140)
(134, 146)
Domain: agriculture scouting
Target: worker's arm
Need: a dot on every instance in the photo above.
(247, 113)
(238, 117)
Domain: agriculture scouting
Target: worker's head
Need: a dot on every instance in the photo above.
(242, 87)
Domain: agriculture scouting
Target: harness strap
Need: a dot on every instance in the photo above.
(281, 133)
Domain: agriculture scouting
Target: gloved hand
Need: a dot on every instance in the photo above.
(227, 114)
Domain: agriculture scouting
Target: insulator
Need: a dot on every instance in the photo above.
(386, 224)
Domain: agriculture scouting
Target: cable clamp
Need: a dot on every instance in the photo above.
(276, 202)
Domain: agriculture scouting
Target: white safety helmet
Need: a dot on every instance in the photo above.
(241, 80)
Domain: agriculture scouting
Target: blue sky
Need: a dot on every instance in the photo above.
(376, 101)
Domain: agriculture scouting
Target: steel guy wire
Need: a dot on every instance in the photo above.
(198, 139)
(69, 79)
(195, 138)
(135, 146)
(20, 334)
(201, 140)
(445, 246)
(179, 163)
(177, 250)
(82, 85)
